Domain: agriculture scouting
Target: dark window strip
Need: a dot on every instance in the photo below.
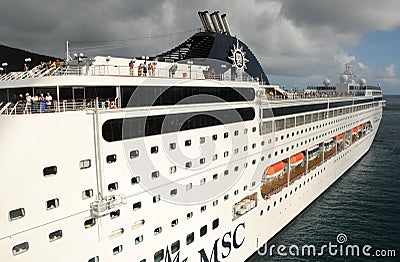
(128, 128)
(133, 96)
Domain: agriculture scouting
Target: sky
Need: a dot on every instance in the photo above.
(298, 42)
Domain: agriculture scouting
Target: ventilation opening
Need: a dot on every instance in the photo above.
(16, 214)
(113, 186)
(87, 194)
(50, 171)
(20, 248)
(111, 158)
(90, 222)
(53, 203)
(117, 250)
(55, 235)
(115, 214)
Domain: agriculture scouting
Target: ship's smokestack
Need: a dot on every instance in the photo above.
(203, 21)
(220, 23)
(208, 21)
(215, 23)
(226, 25)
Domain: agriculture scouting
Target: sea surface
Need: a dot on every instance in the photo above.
(361, 209)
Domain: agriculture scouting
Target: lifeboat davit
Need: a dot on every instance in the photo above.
(296, 160)
(275, 170)
(339, 138)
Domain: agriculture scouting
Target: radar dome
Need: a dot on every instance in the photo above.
(344, 79)
(327, 82)
(362, 81)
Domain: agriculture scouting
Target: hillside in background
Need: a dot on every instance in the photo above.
(15, 58)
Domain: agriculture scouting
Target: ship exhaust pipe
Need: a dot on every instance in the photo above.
(207, 19)
(203, 21)
(220, 23)
(226, 25)
(215, 22)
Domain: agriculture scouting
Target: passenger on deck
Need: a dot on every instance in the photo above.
(49, 100)
(58, 64)
(42, 103)
(140, 69)
(145, 69)
(150, 69)
(28, 105)
(131, 67)
(35, 103)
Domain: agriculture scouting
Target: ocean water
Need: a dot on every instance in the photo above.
(363, 207)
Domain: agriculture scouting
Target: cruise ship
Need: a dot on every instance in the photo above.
(190, 155)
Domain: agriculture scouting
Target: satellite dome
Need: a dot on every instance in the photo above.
(327, 82)
(344, 79)
(362, 81)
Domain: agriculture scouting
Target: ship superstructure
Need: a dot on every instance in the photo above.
(181, 164)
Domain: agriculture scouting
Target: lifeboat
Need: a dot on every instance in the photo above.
(354, 130)
(339, 138)
(359, 128)
(295, 160)
(274, 170)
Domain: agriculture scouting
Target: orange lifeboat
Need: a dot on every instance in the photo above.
(274, 170)
(354, 130)
(296, 159)
(359, 128)
(339, 137)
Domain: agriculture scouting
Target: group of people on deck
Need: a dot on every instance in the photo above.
(34, 104)
(144, 69)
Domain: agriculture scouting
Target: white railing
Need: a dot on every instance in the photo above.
(122, 71)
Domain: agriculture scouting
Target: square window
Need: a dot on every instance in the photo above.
(174, 222)
(202, 181)
(87, 194)
(203, 208)
(190, 238)
(175, 246)
(188, 164)
(172, 146)
(236, 133)
(50, 171)
(135, 180)
(83, 164)
(154, 150)
(214, 137)
(245, 131)
(134, 154)
(226, 135)
(203, 230)
(215, 176)
(202, 161)
(172, 169)
(188, 142)
(173, 192)
(215, 157)
(245, 148)
(189, 186)
(236, 151)
(254, 129)
(53, 203)
(16, 214)
(226, 197)
(215, 223)
(254, 145)
(155, 174)
(189, 215)
(226, 154)
(215, 202)
(159, 255)
(226, 172)
(157, 231)
(156, 198)
(202, 140)
(111, 158)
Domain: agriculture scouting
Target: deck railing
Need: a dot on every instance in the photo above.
(120, 71)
